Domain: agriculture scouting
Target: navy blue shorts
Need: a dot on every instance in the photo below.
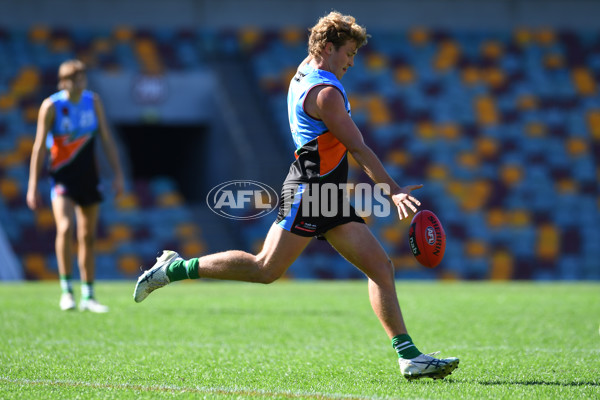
(297, 214)
(83, 195)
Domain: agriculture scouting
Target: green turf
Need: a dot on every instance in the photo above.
(293, 340)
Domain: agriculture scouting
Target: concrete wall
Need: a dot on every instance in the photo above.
(472, 14)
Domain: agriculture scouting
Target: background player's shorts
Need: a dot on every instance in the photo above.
(82, 195)
(307, 215)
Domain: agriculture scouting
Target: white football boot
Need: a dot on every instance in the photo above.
(156, 277)
(67, 302)
(93, 306)
(427, 366)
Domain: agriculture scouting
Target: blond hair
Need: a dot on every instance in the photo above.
(337, 29)
(67, 71)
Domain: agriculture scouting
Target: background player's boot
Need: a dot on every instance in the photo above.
(67, 302)
(93, 306)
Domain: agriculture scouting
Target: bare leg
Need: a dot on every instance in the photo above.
(87, 222)
(357, 244)
(63, 209)
(280, 250)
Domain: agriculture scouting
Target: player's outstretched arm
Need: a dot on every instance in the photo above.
(329, 104)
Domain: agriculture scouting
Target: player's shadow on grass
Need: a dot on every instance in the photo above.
(538, 383)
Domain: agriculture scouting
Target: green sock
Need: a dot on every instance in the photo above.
(405, 347)
(87, 290)
(183, 269)
(65, 284)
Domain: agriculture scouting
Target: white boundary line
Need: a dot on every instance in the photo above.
(178, 389)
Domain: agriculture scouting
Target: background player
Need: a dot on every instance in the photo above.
(68, 123)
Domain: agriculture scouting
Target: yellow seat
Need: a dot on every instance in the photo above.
(511, 174)
(376, 62)
(119, 232)
(485, 108)
(554, 61)
(418, 36)
(494, 77)
(545, 37)
(10, 159)
(593, 123)
(10, 189)
(470, 76)
(523, 36)
(468, 160)
(27, 82)
(584, 81)
(193, 248)
(39, 33)
(378, 111)
(7, 101)
(535, 129)
(519, 218)
(169, 199)
(437, 172)
(127, 201)
(486, 147)
(101, 45)
(492, 49)
(502, 266)
(123, 33)
(447, 56)
(36, 266)
(61, 44)
(426, 130)
(449, 130)
(249, 37)
(475, 248)
(392, 234)
(577, 147)
(548, 242)
(104, 245)
(496, 218)
(186, 230)
(527, 102)
(129, 264)
(25, 145)
(44, 219)
(566, 185)
(292, 36)
(398, 158)
(404, 74)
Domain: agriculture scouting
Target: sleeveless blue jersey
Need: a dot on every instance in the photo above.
(71, 139)
(318, 152)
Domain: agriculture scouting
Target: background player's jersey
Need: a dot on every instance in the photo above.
(318, 153)
(71, 138)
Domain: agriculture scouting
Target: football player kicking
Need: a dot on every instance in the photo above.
(323, 131)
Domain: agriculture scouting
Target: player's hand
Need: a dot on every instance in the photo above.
(33, 198)
(403, 199)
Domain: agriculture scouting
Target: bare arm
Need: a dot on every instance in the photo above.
(38, 154)
(109, 146)
(327, 103)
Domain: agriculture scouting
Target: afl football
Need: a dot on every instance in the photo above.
(427, 238)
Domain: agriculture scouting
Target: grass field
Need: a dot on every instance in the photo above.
(296, 340)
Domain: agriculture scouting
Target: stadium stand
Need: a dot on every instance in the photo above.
(503, 129)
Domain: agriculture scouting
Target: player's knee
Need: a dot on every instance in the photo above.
(64, 227)
(267, 272)
(384, 272)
